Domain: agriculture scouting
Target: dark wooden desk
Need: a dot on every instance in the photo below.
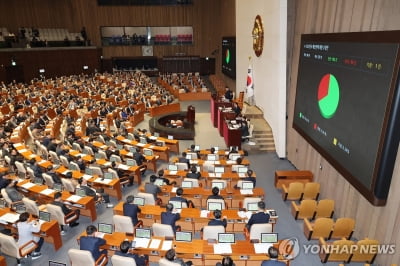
(289, 176)
(232, 137)
(222, 116)
(215, 104)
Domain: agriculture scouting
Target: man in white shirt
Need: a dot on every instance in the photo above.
(25, 233)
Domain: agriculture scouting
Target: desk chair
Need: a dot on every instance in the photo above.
(322, 227)
(243, 205)
(54, 157)
(68, 185)
(325, 208)
(64, 161)
(76, 147)
(7, 198)
(88, 150)
(122, 261)
(75, 166)
(165, 262)
(311, 191)
(182, 166)
(256, 230)
(124, 224)
(56, 213)
(306, 209)
(293, 192)
(163, 230)
(208, 167)
(48, 180)
(116, 158)
(343, 228)
(30, 173)
(21, 168)
(102, 154)
(43, 151)
(148, 198)
(212, 231)
(339, 253)
(224, 206)
(84, 257)
(31, 206)
(360, 256)
(9, 246)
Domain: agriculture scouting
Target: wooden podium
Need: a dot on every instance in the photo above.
(191, 114)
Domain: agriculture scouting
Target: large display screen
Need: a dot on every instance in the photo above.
(229, 56)
(346, 90)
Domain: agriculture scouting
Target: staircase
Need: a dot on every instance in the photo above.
(263, 139)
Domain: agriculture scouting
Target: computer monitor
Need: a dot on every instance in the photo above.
(211, 157)
(247, 185)
(38, 181)
(189, 156)
(88, 171)
(269, 237)
(219, 185)
(212, 206)
(80, 192)
(187, 184)
(113, 159)
(176, 204)
(98, 155)
(159, 182)
(252, 206)
(170, 137)
(44, 216)
(138, 201)
(160, 143)
(156, 134)
(108, 175)
(71, 167)
(172, 167)
(57, 187)
(132, 150)
(226, 238)
(3, 203)
(143, 140)
(219, 169)
(183, 236)
(130, 162)
(105, 228)
(131, 137)
(242, 170)
(56, 263)
(147, 152)
(20, 208)
(234, 157)
(197, 148)
(143, 232)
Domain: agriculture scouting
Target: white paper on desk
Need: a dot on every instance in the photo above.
(230, 162)
(16, 145)
(10, 217)
(204, 213)
(246, 191)
(217, 162)
(151, 146)
(87, 177)
(32, 156)
(74, 198)
(28, 185)
(141, 242)
(23, 150)
(66, 172)
(103, 181)
(242, 175)
(152, 137)
(173, 190)
(262, 247)
(218, 175)
(166, 245)
(42, 161)
(248, 214)
(211, 175)
(155, 243)
(194, 161)
(123, 166)
(140, 144)
(129, 154)
(107, 164)
(47, 191)
(222, 248)
(172, 172)
(241, 214)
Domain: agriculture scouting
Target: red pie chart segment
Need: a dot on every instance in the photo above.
(323, 87)
(328, 96)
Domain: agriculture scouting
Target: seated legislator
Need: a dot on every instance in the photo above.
(58, 201)
(171, 256)
(261, 217)
(93, 193)
(217, 219)
(25, 233)
(124, 252)
(193, 173)
(273, 255)
(170, 218)
(249, 177)
(228, 94)
(130, 209)
(12, 191)
(183, 159)
(92, 243)
(151, 187)
(178, 197)
(226, 261)
(215, 194)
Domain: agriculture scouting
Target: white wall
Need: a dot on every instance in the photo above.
(270, 68)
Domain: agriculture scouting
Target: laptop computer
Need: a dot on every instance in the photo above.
(219, 185)
(103, 229)
(160, 143)
(212, 206)
(242, 171)
(20, 208)
(142, 232)
(132, 149)
(159, 182)
(3, 203)
(88, 171)
(108, 175)
(130, 162)
(56, 263)
(247, 185)
(269, 237)
(187, 184)
(156, 134)
(80, 192)
(120, 147)
(143, 140)
(113, 159)
(228, 238)
(147, 152)
(98, 155)
(138, 201)
(177, 204)
(211, 157)
(183, 236)
(252, 206)
(38, 181)
(44, 216)
(197, 148)
(172, 167)
(57, 187)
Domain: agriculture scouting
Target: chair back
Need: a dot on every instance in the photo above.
(162, 230)
(257, 229)
(54, 157)
(148, 198)
(75, 166)
(96, 171)
(48, 180)
(102, 154)
(64, 161)
(68, 185)
(113, 172)
(76, 146)
(80, 257)
(56, 213)
(31, 174)
(9, 246)
(250, 200)
(182, 166)
(20, 167)
(343, 227)
(322, 228)
(165, 262)
(307, 209)
(6, 197)
(116, 158)
(218, 181)
(337, 254)
(123, 224)
(122, 261)
(30, 206)
(325, 208)
(88, 150)
(311, 191)
(366, 251)
(212, 231)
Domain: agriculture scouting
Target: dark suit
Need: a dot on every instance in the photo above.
(218, 222)
(140, 260)
(170, 218)
(139, 158)
(93, 244)
(258, 218)
(215, 197)
(250, 178)
(132, 211)
(272, 263)
(176, 198)
(193, 175)
(153, 189)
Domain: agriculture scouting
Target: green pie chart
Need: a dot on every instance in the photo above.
(328, 96)
(227, 56)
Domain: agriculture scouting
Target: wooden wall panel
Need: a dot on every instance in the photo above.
(318, 16)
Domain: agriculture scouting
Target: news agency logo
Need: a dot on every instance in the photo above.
(290, 248)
